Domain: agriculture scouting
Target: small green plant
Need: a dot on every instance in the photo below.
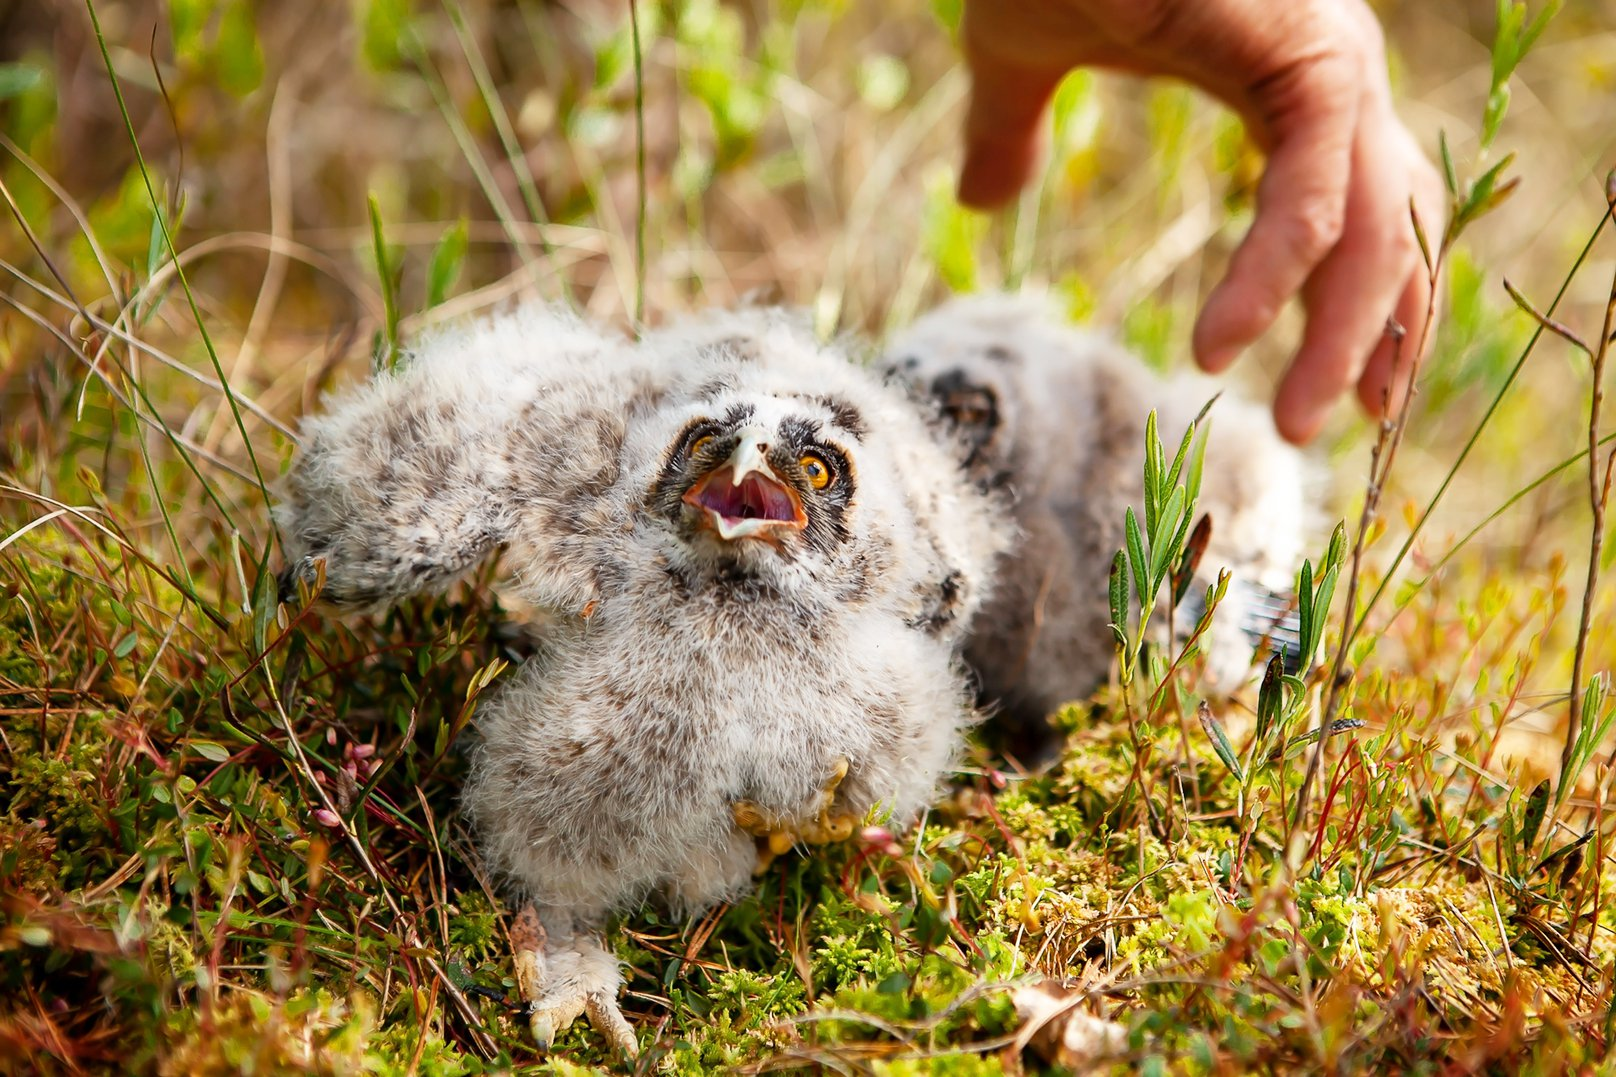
(1155, 553)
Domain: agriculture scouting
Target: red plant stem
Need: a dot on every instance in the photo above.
(1329, 799)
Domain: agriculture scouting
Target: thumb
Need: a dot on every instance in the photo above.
(1003, 130)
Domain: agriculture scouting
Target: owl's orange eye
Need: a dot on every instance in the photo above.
(700, 444)
(816, 469)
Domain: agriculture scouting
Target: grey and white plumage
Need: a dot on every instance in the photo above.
(1053, 418)
(680, 671)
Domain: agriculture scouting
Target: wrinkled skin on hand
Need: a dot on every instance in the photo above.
(1332, 223)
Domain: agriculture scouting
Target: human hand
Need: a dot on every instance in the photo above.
(1332, 222)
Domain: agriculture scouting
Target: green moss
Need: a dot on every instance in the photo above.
(474, 927)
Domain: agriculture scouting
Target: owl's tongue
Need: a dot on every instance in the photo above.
(757, 500)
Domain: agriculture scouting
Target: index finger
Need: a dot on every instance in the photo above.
(1003, 129)
(1300, 209)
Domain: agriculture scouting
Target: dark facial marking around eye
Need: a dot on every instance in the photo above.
(692, 438)
(700, 441)
(800, 434)
(845, 414)
(826, 505)
(737, 415)
(971, 409)
(966, 403)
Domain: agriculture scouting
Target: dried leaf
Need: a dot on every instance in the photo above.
(1061, 1033)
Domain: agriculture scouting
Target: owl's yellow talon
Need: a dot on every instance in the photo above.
(837, 774)
(776, 835)
(839, 828)
(752, 820)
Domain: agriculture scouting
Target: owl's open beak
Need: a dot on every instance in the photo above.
(743, 498)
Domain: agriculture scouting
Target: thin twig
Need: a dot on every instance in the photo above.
(1382, 456)
(1598, 499)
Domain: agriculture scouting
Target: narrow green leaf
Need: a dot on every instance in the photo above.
(387, 357)
(1498, 196)
(1153, 472)
(264, 600)
(1340, 725)
(155, 247)
(1559, 855)
(1336, 555)
(1137, 561)
(1481, 191)
(1220, 740)
(1203, 429)
(1270, 698)
(1450, 175)
(1179, 457)
(1119, 590)
(1304, 610)
(448, 257)
(1321, 602)
(1536, 806)
(210, 750)
(295, 657)
(1506, 39)
(1573, 864)
(1164, 546)
(1509, 838)
(1535, 28)
(1419, 236)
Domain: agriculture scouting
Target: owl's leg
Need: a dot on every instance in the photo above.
(563, 974)
(821, 825)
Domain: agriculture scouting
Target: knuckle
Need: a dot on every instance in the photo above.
(1315, 225)
(1401, 247)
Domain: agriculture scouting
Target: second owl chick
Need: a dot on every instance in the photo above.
(1054, 418)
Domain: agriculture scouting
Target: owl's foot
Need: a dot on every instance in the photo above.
(559, 980)
(776, 834)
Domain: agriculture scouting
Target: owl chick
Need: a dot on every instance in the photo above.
(1054, 418)
(759, 564)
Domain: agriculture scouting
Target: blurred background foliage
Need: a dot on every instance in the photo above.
(806, 150)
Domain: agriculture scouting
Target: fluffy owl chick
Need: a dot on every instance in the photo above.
(759, 563)
(1054, 418)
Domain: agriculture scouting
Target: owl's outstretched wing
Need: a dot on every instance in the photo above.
(503, 433)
